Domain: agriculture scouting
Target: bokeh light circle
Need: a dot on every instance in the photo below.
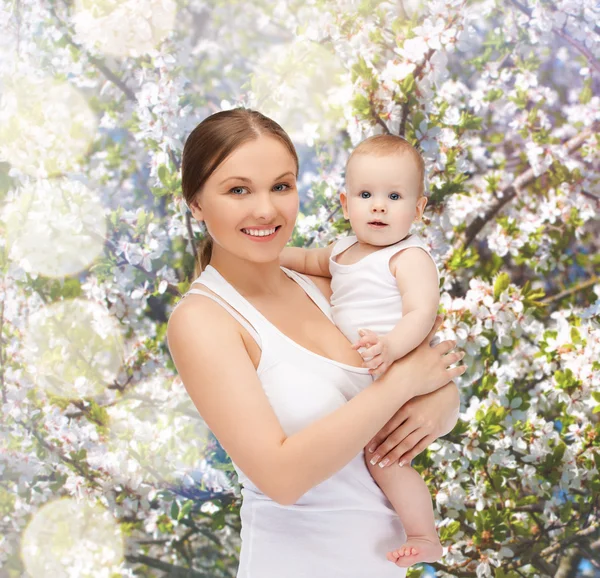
(124, 27)
(54, 227)
(46, 125)
(157, 433)
(73, 348)
(67, 538)
(303, 86)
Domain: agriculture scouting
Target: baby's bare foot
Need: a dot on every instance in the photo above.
(416, 550)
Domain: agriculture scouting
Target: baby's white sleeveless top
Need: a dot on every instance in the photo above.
(344, 526)
(365, 294)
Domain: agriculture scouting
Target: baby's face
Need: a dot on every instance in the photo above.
(384, 190)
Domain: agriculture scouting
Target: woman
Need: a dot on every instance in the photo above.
(277, 383)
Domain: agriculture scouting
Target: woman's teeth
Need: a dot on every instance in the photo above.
(259, 232)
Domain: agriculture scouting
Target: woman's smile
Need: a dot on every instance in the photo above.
(261, 234)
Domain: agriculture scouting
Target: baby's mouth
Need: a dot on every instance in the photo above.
(377, 224)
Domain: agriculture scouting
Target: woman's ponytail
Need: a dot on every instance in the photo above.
(203, 254)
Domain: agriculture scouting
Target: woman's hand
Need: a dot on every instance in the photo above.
(415, 425)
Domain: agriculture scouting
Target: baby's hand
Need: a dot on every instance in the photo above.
(378, 350)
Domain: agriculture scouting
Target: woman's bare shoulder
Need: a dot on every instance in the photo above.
(194, 309)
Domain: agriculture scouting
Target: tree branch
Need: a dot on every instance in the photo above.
(172, 570)
(579, 47)
(563, 34)
(568, 564)
(513, 190)
(99, 64)
(579, 287)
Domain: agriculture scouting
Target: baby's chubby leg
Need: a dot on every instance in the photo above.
(409, 496)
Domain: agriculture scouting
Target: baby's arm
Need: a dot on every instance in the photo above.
(416, 277)
(307, 261)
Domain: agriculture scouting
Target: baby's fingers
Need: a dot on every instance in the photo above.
(373, 363)
(362, 342)
(373, 351)
(365, 341)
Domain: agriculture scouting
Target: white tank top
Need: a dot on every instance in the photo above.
(344, 526)
(365, 294)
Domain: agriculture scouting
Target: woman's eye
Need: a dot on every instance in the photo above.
(365, 194)
(394, 196)
(236, 190)
(282, 185)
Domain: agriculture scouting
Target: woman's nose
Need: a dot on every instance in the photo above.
(264, 207)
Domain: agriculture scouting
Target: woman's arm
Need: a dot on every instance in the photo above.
(218, 374)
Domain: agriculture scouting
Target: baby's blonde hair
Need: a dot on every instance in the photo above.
(386, 144)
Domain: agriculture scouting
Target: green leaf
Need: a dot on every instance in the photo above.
(501, 284)
(162, 175)
(175, 510)
(586, 93)
(185, 510)
(408, 84)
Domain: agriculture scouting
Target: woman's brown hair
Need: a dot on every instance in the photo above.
(210, 143)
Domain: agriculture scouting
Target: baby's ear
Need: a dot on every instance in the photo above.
(421, 204)
(344, 203)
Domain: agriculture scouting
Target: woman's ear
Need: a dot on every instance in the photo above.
(344, 203)
(421, 204)
(195, 209)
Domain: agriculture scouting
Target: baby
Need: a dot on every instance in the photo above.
(385, 296)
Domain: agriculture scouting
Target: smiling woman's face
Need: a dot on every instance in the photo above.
(252, 191)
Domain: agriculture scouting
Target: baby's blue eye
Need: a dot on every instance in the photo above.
(365, 193)
(394, 196)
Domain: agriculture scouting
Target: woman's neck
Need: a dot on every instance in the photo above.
(249, 278)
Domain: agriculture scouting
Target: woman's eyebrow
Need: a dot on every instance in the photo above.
(247, 180)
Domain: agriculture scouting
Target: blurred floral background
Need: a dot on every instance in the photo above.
(106, 467)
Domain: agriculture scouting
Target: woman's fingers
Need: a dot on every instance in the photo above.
(412, 454)
(399, 441)
(446, 345)
(457, 371)
(393, 451)
(392, 425)
(453, 357)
